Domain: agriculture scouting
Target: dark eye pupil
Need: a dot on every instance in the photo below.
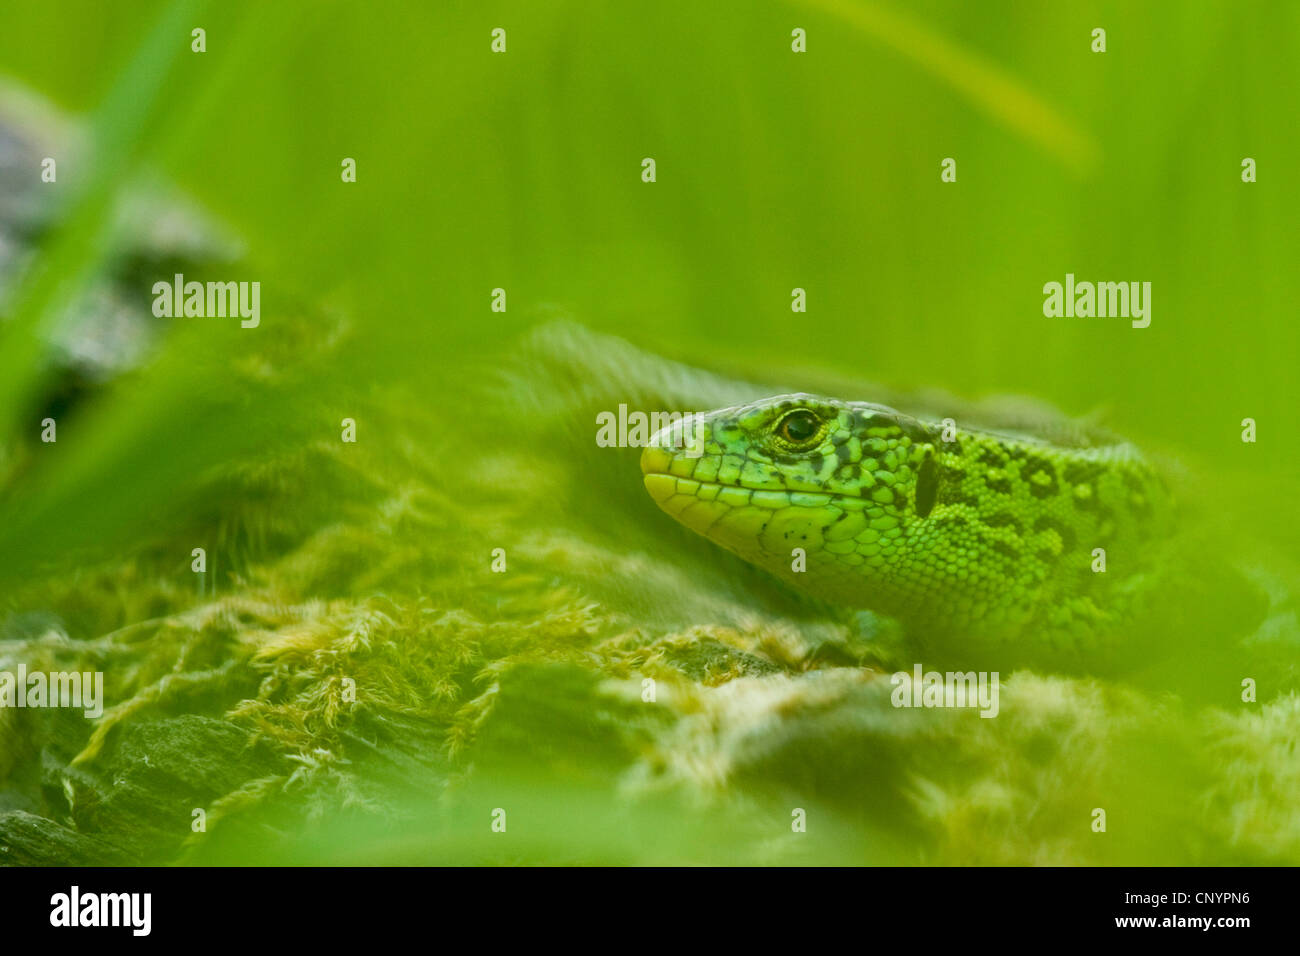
(799, 427)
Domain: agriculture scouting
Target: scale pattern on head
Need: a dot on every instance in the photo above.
(982, 531)
(839, 480)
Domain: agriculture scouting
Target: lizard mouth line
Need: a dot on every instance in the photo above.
(662, 485)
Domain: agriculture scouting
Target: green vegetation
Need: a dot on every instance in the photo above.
(369, 564)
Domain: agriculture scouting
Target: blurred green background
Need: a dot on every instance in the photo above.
(775, 170)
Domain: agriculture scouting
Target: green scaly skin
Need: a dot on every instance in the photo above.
(984, 542)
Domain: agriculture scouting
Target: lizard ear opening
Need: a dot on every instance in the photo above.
(927, 486)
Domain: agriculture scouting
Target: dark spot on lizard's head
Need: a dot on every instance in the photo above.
(1063, 531)
(1133, 483)
(1083, 472)
(1040, 476)
(1004, 520)
(1084, 496)
(1001, 485)
(951, 481)
(1139, 500)
(927, 486)
(1005, 549)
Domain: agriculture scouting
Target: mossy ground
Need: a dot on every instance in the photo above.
(368, 567)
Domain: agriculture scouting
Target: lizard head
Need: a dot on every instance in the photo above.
(838, 480)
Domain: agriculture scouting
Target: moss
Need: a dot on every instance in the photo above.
(354, 682)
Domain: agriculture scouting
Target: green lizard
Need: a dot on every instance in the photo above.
(993, 546)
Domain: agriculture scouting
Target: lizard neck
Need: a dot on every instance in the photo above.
(1023, 534)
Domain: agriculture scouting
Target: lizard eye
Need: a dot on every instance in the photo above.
(799, 427)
